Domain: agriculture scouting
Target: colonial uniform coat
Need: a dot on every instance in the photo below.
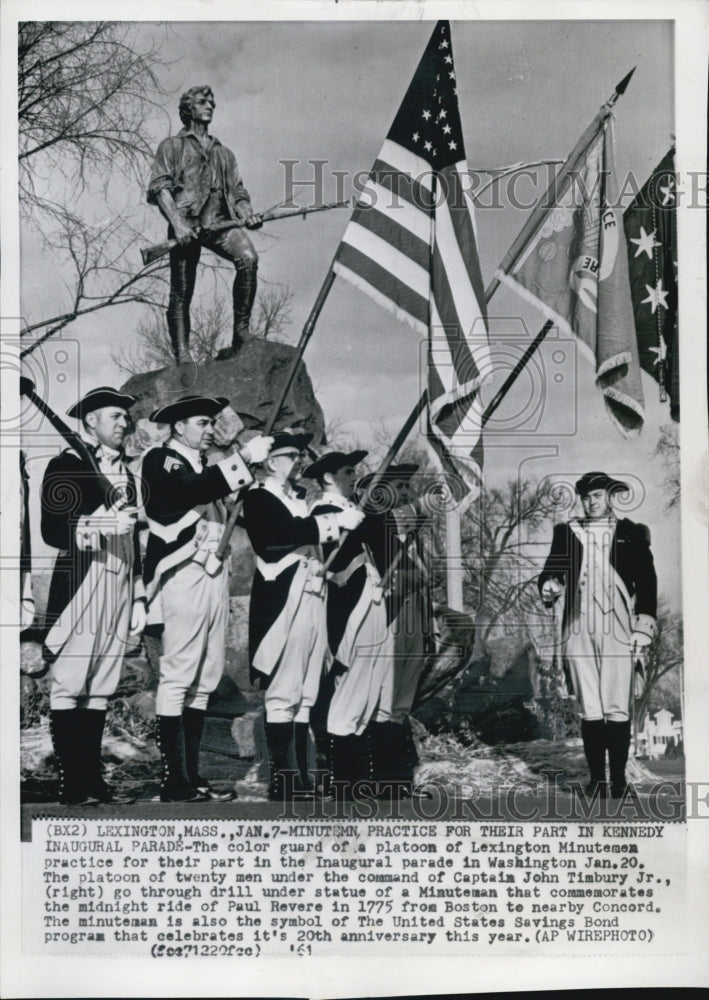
(96, 577)
(409, 606)
(610, 583)
(287, 625)
(360, 642)
(186, 517)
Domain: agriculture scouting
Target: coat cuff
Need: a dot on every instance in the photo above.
(235, 471)
(328, 530)
(646, 625)
(88, 535)
(139, 589)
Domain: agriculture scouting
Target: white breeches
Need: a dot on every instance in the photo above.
(296, 679)
(195, 610)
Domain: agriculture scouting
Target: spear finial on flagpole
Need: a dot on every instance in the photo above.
(552, 193)
(622, 86)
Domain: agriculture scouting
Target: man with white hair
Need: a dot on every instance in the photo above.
(602, 568)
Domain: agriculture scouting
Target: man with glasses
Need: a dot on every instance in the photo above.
(287, 619)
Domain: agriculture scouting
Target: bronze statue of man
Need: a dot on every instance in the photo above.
(195, 183)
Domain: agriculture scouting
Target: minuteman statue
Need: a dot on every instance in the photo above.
(195, 183)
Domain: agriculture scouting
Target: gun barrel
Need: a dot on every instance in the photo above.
(157, 250)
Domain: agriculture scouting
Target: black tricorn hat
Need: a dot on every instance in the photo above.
(405, 471)
(332, 462)
(97, 399)
(599, 481)
(189, 406)
(287, 441)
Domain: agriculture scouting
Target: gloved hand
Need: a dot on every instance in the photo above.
(551, 589)
(138, 618)
(349, 519)
(256, 450)
(644, 628)
(117, 521)
(640, 640)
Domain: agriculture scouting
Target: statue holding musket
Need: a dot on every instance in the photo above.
(196, 184)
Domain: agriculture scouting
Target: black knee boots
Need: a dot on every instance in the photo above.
(593, 733)
(77, 734)
(91, 724)
(304, 783)
(175, 786)
(193, 725)
(350, 764)
(599, 736)
(618, 743)
(281, 775)
(244, 294)
(71, 765)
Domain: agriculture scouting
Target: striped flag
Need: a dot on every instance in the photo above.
(411, 246)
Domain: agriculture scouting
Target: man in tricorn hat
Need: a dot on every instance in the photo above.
(96, 595)
(602, 568)
(287, 623)
(186, 516)
(365, 695)
(358, 635)
(195, 183)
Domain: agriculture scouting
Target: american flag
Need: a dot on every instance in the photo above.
(411, 245)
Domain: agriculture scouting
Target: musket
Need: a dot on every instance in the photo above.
(113, 496)
(149, 254)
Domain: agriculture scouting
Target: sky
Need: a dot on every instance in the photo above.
(302, 91)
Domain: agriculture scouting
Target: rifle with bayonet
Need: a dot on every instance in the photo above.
(149, 254)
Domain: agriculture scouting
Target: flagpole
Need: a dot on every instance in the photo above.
(512, 377)
(554, 189)
(395, 446)
(525, 234)
(306, 334)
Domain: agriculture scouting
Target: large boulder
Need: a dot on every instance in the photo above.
(249, 380)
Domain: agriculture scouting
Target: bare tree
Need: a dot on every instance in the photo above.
(499, 533)
(667, 450)
(663, 665)
(274, 307)
(85, 91)
(86, 94)
(211, 324)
